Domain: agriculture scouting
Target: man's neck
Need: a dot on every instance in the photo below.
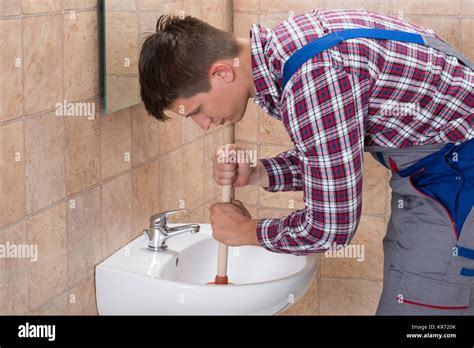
(245, 59)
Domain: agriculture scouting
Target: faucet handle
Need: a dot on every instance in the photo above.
(160, 219)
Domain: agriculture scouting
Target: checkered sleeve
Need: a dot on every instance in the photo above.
(325, 107)
(283, 172)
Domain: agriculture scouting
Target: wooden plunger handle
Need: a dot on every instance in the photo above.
(221, 277)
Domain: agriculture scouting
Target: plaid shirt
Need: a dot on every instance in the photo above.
(359, 93)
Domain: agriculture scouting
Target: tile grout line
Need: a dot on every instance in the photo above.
(45, 112)
(23, 118)
(66, 143)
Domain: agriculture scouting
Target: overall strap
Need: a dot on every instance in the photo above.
(332, 39)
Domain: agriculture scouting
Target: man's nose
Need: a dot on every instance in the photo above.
(202, 120)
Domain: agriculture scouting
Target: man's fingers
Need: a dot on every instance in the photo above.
(225, 167)
(237, 202)
(223, 182)
(225, 175)
(221, 151)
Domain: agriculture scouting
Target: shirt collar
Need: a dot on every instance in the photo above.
(266, 84)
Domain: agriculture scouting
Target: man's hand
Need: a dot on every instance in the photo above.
(237, 174)
(232, 224)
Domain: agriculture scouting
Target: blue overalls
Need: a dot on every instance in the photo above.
(429, 244)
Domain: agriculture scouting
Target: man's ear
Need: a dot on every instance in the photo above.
(222, 71)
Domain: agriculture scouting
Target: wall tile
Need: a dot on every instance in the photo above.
(42, 47)
(468, 37)
(148, 5)
(212, 142)
(10, 8)
(308, 304)
(84, 234)
(467, 8)
(190, 130)
(447, 28)
(144, 135)
(243, 23)
(388, 194)
(33, 6)
(170, 133)
(145, 198)
(246, 5)
(11, 101)
(271, 130)
(45, 166)
(366, 263)
(115, 142)
(247, 194)
(170, 179)
(383, 6)
(195, 216)
(190, 7)
(247, 128)
(116, 213)
(193, 189)
(48, 276)
(12, 174)
(79, 4)
(81, 55)
(217, 13)
(374, 184)
(14, 274)
(121, 5)
(297, 6)
(82, 152)
(427, 7)
(272, 213)
(349, 297)
(57, 306)
(82, 298)
(271, 20)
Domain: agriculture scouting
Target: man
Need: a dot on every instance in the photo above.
(408, 104)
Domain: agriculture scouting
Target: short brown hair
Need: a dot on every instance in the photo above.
(175, 61)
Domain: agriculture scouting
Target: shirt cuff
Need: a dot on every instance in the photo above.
(280, 175)
(267, 230)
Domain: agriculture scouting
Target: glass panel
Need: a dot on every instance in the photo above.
(126, 24)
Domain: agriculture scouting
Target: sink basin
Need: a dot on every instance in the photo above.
(139, 281)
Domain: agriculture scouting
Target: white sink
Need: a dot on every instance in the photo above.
(136, 280)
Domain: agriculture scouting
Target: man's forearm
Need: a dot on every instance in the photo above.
(259, 176)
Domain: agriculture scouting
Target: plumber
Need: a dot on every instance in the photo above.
(342, 82)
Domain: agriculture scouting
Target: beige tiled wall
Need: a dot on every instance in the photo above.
(81, 188)
(342, 286)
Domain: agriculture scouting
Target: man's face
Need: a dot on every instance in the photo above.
(225, 102)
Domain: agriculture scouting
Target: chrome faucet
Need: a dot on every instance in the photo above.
(159, 232)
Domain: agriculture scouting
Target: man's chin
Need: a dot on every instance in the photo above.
(237, 119)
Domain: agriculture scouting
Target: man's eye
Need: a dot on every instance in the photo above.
(195, 113)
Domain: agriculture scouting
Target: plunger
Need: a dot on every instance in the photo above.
(221, 277)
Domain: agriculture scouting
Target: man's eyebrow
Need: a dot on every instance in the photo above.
(193, 112)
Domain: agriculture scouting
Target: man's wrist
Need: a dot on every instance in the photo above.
(259, 176)
(252, 232)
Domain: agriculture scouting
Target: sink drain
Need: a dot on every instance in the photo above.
(177, 261)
